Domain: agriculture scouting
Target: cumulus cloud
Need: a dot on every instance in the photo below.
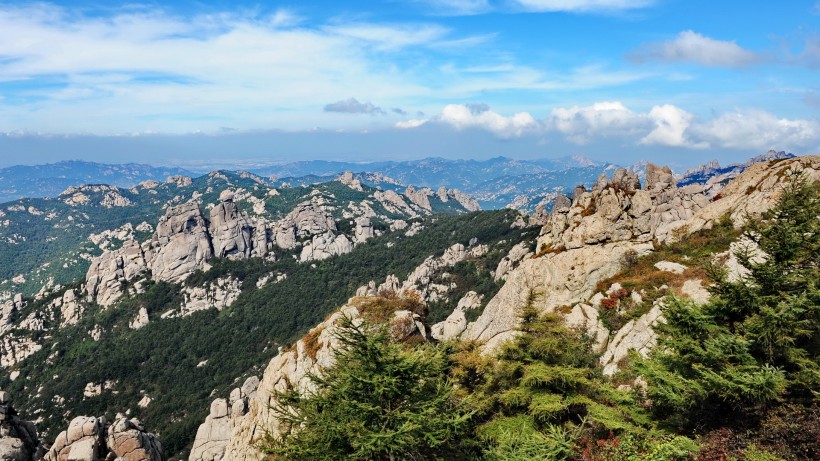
(602, 119)
(353, 106)
(757, 129)
(671, 125)
(694, 47)
(582, 6)
(461, 116)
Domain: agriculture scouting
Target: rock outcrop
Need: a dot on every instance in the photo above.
(325, 246)
(420, 197)
(181, 243)
(586, 238)
(213, 435)
(18, 438)
(218, 295)
(231, 232)
(95, 439)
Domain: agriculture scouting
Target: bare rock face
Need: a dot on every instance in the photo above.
(347, 179)
(325, 246)
(636, 335)
(94, 439)
(364, 230)
(140, 320)
(108, 273)
(394, 202)
(513, 258)
(465, 200)
(16, 348)
(18, 438)
(182, 243)
(218, 295)
(310, 219)
(231, 231)
(128, 440)
(420, 197)
(213, 435)
(549, 282)
(179, 181)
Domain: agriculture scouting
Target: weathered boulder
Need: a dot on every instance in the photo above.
(95, 439)
(231, 231)
(181, 242)
(325, 246)
(128, 440)
(364, 230)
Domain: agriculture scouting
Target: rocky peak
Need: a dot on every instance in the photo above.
(182, 243)
(420, 197)
(231, 231)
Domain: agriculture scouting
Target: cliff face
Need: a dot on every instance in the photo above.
(585, 239)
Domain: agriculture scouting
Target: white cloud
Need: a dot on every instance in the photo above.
(694, 47)
(582, 6)
(415, 123)
(757, 129)
(461, 116)
(602, 119)
(671, 124)
(391, 37)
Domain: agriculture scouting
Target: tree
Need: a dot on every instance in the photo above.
(380, 401)
(757, 341)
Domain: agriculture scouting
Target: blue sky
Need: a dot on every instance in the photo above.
(675, 81)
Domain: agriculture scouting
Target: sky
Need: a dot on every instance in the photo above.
(247, 83)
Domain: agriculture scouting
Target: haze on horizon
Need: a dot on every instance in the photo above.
(198, 83)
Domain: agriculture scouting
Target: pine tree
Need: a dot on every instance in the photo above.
(757, 342)
(380, 401)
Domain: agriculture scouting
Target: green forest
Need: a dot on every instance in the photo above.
(160, 360)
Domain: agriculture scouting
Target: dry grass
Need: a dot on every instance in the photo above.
(380, 309)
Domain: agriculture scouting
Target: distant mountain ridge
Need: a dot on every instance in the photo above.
(49, 180)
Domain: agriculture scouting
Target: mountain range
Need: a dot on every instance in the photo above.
(176, 310)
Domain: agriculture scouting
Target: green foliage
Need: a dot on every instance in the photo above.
(380, 401)
(757, 342)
